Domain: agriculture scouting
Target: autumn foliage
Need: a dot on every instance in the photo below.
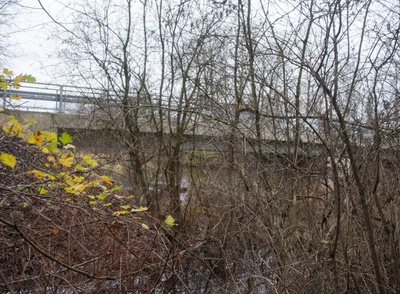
(61, 224)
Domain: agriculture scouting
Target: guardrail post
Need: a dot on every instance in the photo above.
(61, 98)
(4, 98)
(5, 95)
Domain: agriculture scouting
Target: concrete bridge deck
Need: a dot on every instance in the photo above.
(57, 107)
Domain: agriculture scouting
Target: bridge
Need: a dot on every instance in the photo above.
(58, 108)
(52, 98)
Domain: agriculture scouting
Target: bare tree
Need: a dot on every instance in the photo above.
(7, 10)
(301, 107)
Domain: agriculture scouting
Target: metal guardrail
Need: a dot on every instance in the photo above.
(47, 97)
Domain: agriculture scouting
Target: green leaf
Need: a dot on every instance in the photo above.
(52, 148)
(115, 188)
(30, 79)
(65, 138)
(101, 197)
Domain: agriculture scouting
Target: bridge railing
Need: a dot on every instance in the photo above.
(47, 97)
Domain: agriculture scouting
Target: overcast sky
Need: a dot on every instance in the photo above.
(31, 43)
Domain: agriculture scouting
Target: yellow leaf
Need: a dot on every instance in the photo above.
(30, 121)
(69, 200)
(76, 189)
(80, 167)
(89, 161)
(13, 127)
(3, 84)
(19, 79)
(7, 72)
(101, 197)
(36, 138)
(26, 204)
(8, 159)
(51, 158)
(107, 179)
(37, 173)
(92, 202)
(45, 150)
(118, 213)
(140, 208)
(125, 206)
(15, 97)
(170, 221)
(107, 204)
(43, 191)
(51, 137)
(77, 179)
(66, 160)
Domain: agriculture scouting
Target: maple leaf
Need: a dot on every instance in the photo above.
(7, 72)
(8, 159)
(29, 78)
(66, 160)
(36, 138)
(13, 126)
(65, 138)
(19, 79)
